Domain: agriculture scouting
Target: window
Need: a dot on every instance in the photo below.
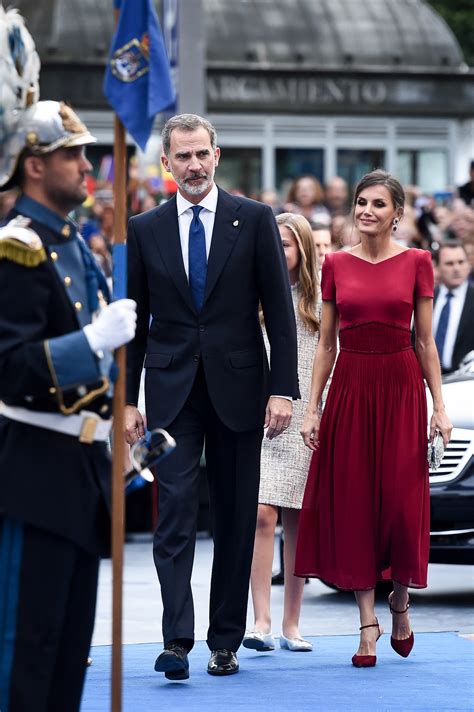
(352, 164)
(294, 162)
(240, 169)
(427, 168)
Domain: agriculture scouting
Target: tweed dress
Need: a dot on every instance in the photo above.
(285, 460)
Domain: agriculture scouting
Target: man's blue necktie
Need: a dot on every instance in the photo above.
(442, 329)
(197, 258)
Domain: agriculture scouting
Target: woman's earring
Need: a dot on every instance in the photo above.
(395, 224)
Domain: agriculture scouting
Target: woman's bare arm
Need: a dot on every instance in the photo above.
(427, 355)
(322, 366)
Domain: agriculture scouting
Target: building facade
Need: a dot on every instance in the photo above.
(328, 87)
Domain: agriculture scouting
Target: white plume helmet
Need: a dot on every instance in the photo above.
(25, 122)
(19, 71)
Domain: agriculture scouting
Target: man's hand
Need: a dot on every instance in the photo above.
(277, 416)
(135, 424)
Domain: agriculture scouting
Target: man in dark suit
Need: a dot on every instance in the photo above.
(466, 191)
(56, 337)
(200, 266)
(453, 314)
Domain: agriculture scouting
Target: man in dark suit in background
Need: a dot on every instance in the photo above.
(466, 191)
(453, 315)
(201, 265)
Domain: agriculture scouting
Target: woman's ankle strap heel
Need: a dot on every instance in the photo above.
(364, 661)
(394, 610)
(402, 647)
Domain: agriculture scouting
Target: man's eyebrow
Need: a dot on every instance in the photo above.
(189, 152)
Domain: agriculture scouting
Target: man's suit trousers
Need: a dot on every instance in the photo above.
(233, 468)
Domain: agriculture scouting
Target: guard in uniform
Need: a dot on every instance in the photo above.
(57, 334)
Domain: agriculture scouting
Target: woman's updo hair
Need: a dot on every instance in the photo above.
(380, 177)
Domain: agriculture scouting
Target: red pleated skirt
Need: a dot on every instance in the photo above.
(365, 514)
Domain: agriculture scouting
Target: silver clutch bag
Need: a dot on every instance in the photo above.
(435, 451)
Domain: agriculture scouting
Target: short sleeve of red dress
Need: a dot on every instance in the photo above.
(328, 286)
(424, 286)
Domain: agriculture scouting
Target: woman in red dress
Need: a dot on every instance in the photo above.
(365, 513)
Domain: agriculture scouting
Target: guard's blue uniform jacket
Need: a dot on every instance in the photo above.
(54, 489)
(50, 287)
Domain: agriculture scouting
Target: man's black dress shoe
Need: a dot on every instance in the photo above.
(223, 662)
(173, 661)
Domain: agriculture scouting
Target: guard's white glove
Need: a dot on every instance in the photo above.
(114, 326)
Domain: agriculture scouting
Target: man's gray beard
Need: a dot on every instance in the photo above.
(195, 189)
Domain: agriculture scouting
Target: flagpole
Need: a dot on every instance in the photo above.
(118, 491)
(149, 91)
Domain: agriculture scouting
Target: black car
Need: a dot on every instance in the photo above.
(452, 484)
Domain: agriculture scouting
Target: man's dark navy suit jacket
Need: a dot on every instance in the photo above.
(246, 267)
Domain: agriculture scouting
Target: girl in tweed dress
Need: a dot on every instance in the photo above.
(285, 460)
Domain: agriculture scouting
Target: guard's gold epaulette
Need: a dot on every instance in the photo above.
(20, 244)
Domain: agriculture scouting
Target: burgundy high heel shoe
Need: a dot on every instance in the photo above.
(364, 661)
(402, 647)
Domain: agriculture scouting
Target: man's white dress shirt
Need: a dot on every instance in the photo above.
(207, 216)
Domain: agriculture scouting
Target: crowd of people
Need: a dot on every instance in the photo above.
(428, 221)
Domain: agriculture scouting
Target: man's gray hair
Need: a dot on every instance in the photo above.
(186, 122)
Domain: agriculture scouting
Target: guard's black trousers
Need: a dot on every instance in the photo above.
(47, 607)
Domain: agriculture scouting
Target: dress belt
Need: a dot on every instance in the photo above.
(86, 425)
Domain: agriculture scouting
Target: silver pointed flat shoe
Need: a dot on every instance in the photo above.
(296, 645)
(256, 640)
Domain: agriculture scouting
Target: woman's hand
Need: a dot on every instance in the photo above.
(310, 430)
(440, 421)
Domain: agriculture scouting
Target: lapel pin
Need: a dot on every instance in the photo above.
(235, 223)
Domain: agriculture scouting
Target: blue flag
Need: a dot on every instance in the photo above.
(137, 80)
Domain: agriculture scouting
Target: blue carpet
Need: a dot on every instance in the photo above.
(438, 675)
